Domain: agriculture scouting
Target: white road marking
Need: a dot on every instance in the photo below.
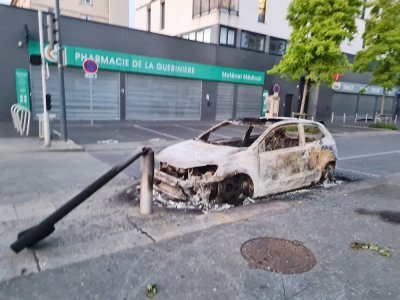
(369, 155)
(358, 172)
(201, 131)
(159, 133)
(56, 133)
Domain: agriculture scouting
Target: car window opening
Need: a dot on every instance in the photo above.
(234, 134)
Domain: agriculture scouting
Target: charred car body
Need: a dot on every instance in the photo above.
(247, 158)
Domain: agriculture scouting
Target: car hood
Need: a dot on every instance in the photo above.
(193, 153)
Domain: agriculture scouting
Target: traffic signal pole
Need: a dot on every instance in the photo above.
(46, 122)
(60, 62)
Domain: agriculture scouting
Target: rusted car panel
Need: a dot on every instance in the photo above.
(285, 154)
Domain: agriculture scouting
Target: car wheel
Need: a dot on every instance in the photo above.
(328, 173)
(235, 190)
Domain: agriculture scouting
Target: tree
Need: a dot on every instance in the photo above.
(318, 29)
(382, 42)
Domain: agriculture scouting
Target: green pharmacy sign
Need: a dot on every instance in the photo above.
(122, 62)
(22, 86)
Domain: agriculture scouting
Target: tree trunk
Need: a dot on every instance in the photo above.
(303, 100)
(383, 102)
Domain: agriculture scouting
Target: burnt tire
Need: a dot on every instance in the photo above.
(235, 190)
(328, 173)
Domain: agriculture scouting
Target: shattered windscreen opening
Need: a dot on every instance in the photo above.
(234, 135)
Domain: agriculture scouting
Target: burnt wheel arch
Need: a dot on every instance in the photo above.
(235, 189)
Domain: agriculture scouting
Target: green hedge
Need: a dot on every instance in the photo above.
(384, 126)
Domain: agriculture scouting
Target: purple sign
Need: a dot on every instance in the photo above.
(276, 88)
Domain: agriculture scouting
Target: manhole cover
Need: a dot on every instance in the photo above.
(278, 255)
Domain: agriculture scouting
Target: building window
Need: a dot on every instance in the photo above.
(149, 19)
(230, 6)
(227, 36)
(362, 12)
(252, 41)
(201, 7)
(207, 35)
(87, 2)
(203, 35)
(199, 36)
(277, 46)
(86, 18)
(162, 15)
(192, 36)
(261, 10)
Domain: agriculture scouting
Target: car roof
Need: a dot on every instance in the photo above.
(266, 122)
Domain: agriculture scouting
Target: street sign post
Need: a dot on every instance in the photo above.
(276, 89)
(90, 67)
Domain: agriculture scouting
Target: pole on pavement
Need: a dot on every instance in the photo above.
(46, 122)
(146, 187)
(60, 62)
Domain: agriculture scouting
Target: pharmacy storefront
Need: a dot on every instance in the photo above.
(132, 87)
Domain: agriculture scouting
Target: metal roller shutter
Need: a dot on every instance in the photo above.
(366, 105)
(344, 104)
(77, 94)
(388, 105)
(160, 98)
(225, 95)
(249, 100)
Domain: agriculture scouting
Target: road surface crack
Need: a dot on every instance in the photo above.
(141, 230)
(284, 290)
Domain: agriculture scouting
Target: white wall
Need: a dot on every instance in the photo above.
(178, 20)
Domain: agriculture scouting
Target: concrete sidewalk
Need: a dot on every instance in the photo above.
(106, 250)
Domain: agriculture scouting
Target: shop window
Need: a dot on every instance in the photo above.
(277, 46)
(227, 36)
(252, 41)
(261, 10)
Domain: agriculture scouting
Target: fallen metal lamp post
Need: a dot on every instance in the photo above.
(30, 237)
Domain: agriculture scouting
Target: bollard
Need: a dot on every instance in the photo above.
(355, 119)
(146, 185)
(333, 114)
(395, 119)
(366, 118)
(344, 118)
(312, 118)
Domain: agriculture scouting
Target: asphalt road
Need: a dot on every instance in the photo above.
(105, 250)
(84, 133)
(360, 150)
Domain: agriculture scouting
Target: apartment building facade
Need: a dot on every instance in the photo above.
(258, 26)
(115, 12)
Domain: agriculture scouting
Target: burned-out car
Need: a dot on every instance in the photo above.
(247, 158)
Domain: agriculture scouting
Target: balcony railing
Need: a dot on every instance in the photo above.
(201, 7)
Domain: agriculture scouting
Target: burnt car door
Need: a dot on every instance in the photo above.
(282, 160)
(318, 151)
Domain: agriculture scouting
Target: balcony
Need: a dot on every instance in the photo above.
(203, 7)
